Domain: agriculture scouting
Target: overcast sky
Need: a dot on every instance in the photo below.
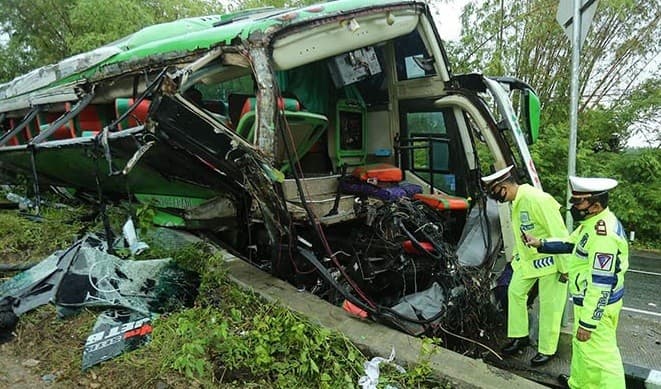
(449, 25)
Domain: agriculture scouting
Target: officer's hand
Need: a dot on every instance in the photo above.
(531, 241)
(583, 335)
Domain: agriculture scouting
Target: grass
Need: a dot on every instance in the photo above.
(24, 240)
(229, 338)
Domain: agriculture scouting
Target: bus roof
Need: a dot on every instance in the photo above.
(174, 41)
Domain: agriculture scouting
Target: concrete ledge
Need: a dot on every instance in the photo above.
(641, 377)
(461, 371)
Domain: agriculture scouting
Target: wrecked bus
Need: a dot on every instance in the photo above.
(330, 145)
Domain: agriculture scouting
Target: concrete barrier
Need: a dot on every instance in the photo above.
(458, 370)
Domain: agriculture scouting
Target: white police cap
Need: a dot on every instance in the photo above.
(497, 177)
(582, 187)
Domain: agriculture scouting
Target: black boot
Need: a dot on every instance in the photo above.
(540, 359)
(515, 345)
(564, 380)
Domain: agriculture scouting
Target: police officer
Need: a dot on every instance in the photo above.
(535, 212)
(596, 278)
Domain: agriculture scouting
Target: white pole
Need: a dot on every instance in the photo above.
(573, 120)
(573, 109)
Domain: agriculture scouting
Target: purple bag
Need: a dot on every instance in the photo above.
(357, 187)
(410, 188)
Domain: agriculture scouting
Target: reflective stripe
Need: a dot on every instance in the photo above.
(619, 230)
(542, 262)
(604, 280)
(614, 297)
(586, 325)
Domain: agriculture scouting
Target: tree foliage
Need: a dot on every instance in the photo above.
(41, 32)
(523, 38)
(620, 89)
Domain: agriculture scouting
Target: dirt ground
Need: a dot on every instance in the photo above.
(16, 373)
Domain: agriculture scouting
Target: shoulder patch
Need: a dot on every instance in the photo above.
(600, 227)
(603, 261)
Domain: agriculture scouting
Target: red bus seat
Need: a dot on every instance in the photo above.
(14, 141)
(87, 121)
(135, 118)
(443, 202)
(46, 118)
(381, 172)
(64, 132)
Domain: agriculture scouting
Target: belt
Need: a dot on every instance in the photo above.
(614, 297)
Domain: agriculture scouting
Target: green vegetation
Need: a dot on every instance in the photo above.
(620, 91)
(76, 26)
(229, 338)
(25, 239)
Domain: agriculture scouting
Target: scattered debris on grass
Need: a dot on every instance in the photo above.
(230, 338)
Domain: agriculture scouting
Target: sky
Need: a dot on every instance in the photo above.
(449, 26)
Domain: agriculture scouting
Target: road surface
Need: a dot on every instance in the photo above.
(643, 285)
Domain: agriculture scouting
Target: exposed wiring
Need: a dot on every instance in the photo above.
(471, 341)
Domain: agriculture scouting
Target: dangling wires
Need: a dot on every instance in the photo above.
(314, 221)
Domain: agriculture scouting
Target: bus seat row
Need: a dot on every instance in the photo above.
(89, 122)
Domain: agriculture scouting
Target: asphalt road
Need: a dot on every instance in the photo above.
(643, 284)
(639, 329)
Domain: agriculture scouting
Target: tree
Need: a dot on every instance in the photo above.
(37, 32)
(247, 4)
(41, 32)
(620, 87)
(523, 38)
(638, 202)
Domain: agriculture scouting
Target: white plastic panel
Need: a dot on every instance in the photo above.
(313, 44)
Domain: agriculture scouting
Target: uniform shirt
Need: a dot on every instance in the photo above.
(537, 213)
(596, 268)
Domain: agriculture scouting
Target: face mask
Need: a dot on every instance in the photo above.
(578, 214)
(500, 195)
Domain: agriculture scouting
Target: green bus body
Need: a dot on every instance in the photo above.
(266, 126)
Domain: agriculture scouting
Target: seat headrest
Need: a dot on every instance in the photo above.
(284, 104)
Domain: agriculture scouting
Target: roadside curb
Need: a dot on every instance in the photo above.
(641, 377)
(460, 371)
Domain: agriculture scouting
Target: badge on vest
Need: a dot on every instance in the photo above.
(581, 252)
(600, 227)
(526, 223)
(603, 261)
